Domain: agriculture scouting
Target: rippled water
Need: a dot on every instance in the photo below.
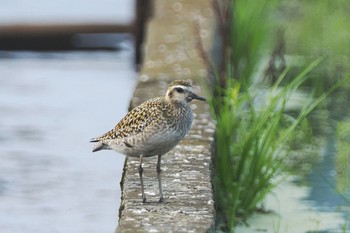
(50, 106)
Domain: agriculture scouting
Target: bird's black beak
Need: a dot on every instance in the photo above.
(197, 97)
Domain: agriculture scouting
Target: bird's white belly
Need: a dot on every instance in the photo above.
(157, 144)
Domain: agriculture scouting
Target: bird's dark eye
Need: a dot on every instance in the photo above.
(179, 90)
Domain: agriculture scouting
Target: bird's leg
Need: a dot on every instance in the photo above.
(161, 199)
(141, 180)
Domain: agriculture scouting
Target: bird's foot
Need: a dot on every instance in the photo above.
(161, 199)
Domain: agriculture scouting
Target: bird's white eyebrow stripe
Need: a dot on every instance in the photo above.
(183, 87)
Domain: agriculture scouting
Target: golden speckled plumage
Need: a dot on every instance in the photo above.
(153, 117)
(137, 119)
(154, 127)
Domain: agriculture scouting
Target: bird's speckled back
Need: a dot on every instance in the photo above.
(155, 126)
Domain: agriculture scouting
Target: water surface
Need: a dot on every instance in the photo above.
(66, 11)
(50, 106)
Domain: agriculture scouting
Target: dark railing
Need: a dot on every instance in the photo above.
(48, 37)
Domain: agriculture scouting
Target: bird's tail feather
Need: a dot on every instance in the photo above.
(99, 145)
(94, 140)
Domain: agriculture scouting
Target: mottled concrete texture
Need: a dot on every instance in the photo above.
(171, 52)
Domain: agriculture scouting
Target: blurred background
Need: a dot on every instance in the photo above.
(67, 72)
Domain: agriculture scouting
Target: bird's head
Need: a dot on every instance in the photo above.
(182, 91)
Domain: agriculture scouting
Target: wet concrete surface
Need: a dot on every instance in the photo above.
(50, 106)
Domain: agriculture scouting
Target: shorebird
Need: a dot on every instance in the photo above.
(153, 128)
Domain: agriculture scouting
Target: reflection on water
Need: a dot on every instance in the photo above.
(322, 180)
(322, 202)
(49, 109)
(329, 180)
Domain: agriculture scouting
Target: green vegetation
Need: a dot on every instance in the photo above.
(342, 160)
(251, 144)
(255, 130)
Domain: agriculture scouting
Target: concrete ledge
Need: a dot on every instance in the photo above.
(171, 53)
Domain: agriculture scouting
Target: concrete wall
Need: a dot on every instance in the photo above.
(171, 52)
